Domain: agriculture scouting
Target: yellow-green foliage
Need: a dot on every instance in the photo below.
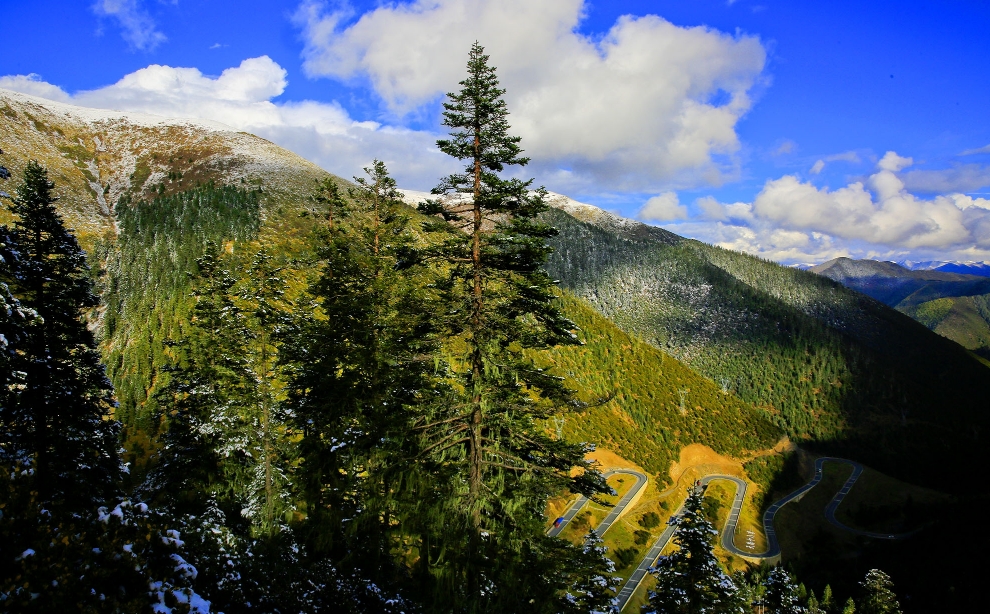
(933, 312)
(643, 420)
(146, 281)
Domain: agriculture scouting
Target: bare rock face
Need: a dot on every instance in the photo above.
(96, 157)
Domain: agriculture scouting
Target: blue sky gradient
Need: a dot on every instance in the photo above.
(839, 85)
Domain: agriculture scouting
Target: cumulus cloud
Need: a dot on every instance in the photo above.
(34, 85)
(663, 207)
(138, 28)
(962, 178)
(795, 221)
(646, 105)
(881, 211)
(893, 162)
(711, 209)
(240, 97)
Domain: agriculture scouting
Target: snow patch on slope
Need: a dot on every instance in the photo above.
(94, 116)
(581, 211)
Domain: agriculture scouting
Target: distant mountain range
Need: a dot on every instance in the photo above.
(981, 269)
(946, 297)
(966, 268)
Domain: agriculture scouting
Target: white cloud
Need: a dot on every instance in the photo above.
(241, 98)
(978, 150)
(963, 178)
(33, 84)
(139, 29)
(884, 214)
(784, 148)
(631, 110)
(893, 162)
(847, 156)
(711, 209)
(663, 207)
(795, 221)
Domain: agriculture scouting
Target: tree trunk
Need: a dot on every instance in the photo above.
(474, 439)
(38, 386)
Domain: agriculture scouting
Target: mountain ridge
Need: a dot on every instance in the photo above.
(828, 366)
(159, 173)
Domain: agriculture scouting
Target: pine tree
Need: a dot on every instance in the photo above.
(196, 464)
(364, 365)
(265, 309)
(781, 595)
(499, 304)
(15, 322)
(226, 425)
(878, 594)
(60, 418)
(330, 199)
(691, 581)
(850, 607)
(828, 601)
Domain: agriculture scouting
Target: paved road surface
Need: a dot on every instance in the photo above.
(729, 530)
(614, 513)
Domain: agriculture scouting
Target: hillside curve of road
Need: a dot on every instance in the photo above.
(729, 529)
(613, 514)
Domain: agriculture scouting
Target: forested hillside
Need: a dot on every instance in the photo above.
(833, 368)
(656, 405)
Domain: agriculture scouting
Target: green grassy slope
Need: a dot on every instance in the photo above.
(833, 368)
(964, 319)
(646, 420)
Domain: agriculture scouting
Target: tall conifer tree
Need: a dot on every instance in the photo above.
(14, 323)
(61, 416)
(500, 304)
(690, 580)
(362, 370)
(781, 595)
(878, 594)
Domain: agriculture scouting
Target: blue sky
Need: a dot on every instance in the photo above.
(798, 131)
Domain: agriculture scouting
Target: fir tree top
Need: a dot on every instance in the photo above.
(479, 116)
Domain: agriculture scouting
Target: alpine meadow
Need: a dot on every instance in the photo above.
(235, 382)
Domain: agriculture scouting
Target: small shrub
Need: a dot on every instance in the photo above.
(649, 520)
(626, 557)
(641, 537)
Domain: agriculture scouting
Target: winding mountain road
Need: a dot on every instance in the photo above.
(614, 513)
(729, 530)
